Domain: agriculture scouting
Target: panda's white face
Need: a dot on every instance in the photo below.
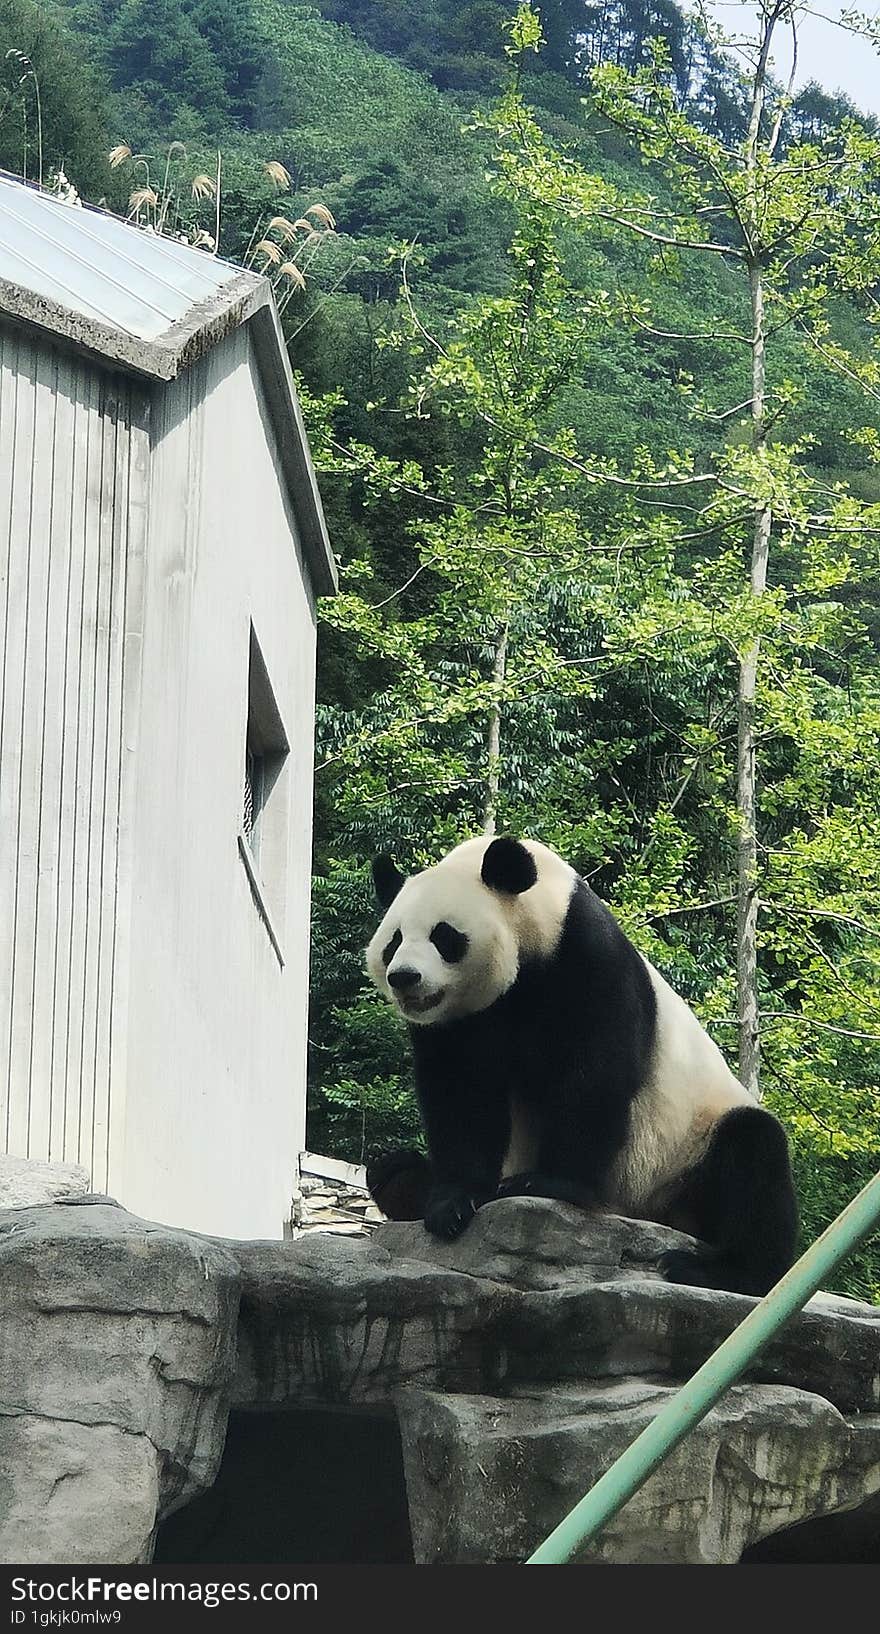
(450, 945)
(445, 948)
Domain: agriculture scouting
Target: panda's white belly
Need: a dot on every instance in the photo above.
(522, 1146)
(689, 1089)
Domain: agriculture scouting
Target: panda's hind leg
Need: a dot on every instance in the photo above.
(399, 1184)
(741, 1198)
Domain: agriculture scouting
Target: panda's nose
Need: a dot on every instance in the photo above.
(403, 978)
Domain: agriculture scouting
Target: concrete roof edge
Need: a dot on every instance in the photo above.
(293, 445)
(205, 324)
(105, 344)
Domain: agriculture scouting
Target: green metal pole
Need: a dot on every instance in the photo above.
(724, 1367)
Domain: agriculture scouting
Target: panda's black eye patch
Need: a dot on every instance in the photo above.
(451, 944)
(390, 949)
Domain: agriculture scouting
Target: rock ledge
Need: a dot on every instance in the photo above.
(519, 1362)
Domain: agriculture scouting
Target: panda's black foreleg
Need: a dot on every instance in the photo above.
(581, 1135)
(742, 1200)
(465, 1110)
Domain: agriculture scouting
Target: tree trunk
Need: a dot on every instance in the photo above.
(748, 1017)
(747, 850)
(493, 735)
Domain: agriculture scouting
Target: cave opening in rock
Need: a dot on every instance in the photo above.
(849, 1538)
(300, 1487)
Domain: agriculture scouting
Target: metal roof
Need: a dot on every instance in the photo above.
(100, 267)
(151, 306)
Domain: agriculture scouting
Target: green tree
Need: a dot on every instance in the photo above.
(157, 44)
(50, 98)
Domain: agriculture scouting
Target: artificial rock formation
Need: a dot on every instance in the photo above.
(116, 1367)
(25, 1182)
(519, 1362)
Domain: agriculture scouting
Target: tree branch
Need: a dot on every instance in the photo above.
(670, 243)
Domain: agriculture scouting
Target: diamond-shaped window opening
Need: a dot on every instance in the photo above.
(265, 801)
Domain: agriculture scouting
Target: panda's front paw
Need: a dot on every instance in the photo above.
(683, 1265)
(449, 1211)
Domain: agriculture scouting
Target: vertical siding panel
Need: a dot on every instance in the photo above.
(117, 486)
(100, 932)
(77, 1065)
(98, 536)
(8, 395)
(33, 728)
(69, 1041)
(56, 498)
(132, 616)
(73, 548)
(21, 745)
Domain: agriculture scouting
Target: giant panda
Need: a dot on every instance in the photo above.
(552, 1060)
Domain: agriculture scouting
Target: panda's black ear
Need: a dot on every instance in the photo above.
(387, 879)
(508, 866)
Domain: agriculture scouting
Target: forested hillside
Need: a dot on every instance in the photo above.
(532, 405)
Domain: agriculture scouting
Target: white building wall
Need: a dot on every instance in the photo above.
(216, 1030)
(73, 476)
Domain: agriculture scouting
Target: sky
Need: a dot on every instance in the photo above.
(837, 60)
